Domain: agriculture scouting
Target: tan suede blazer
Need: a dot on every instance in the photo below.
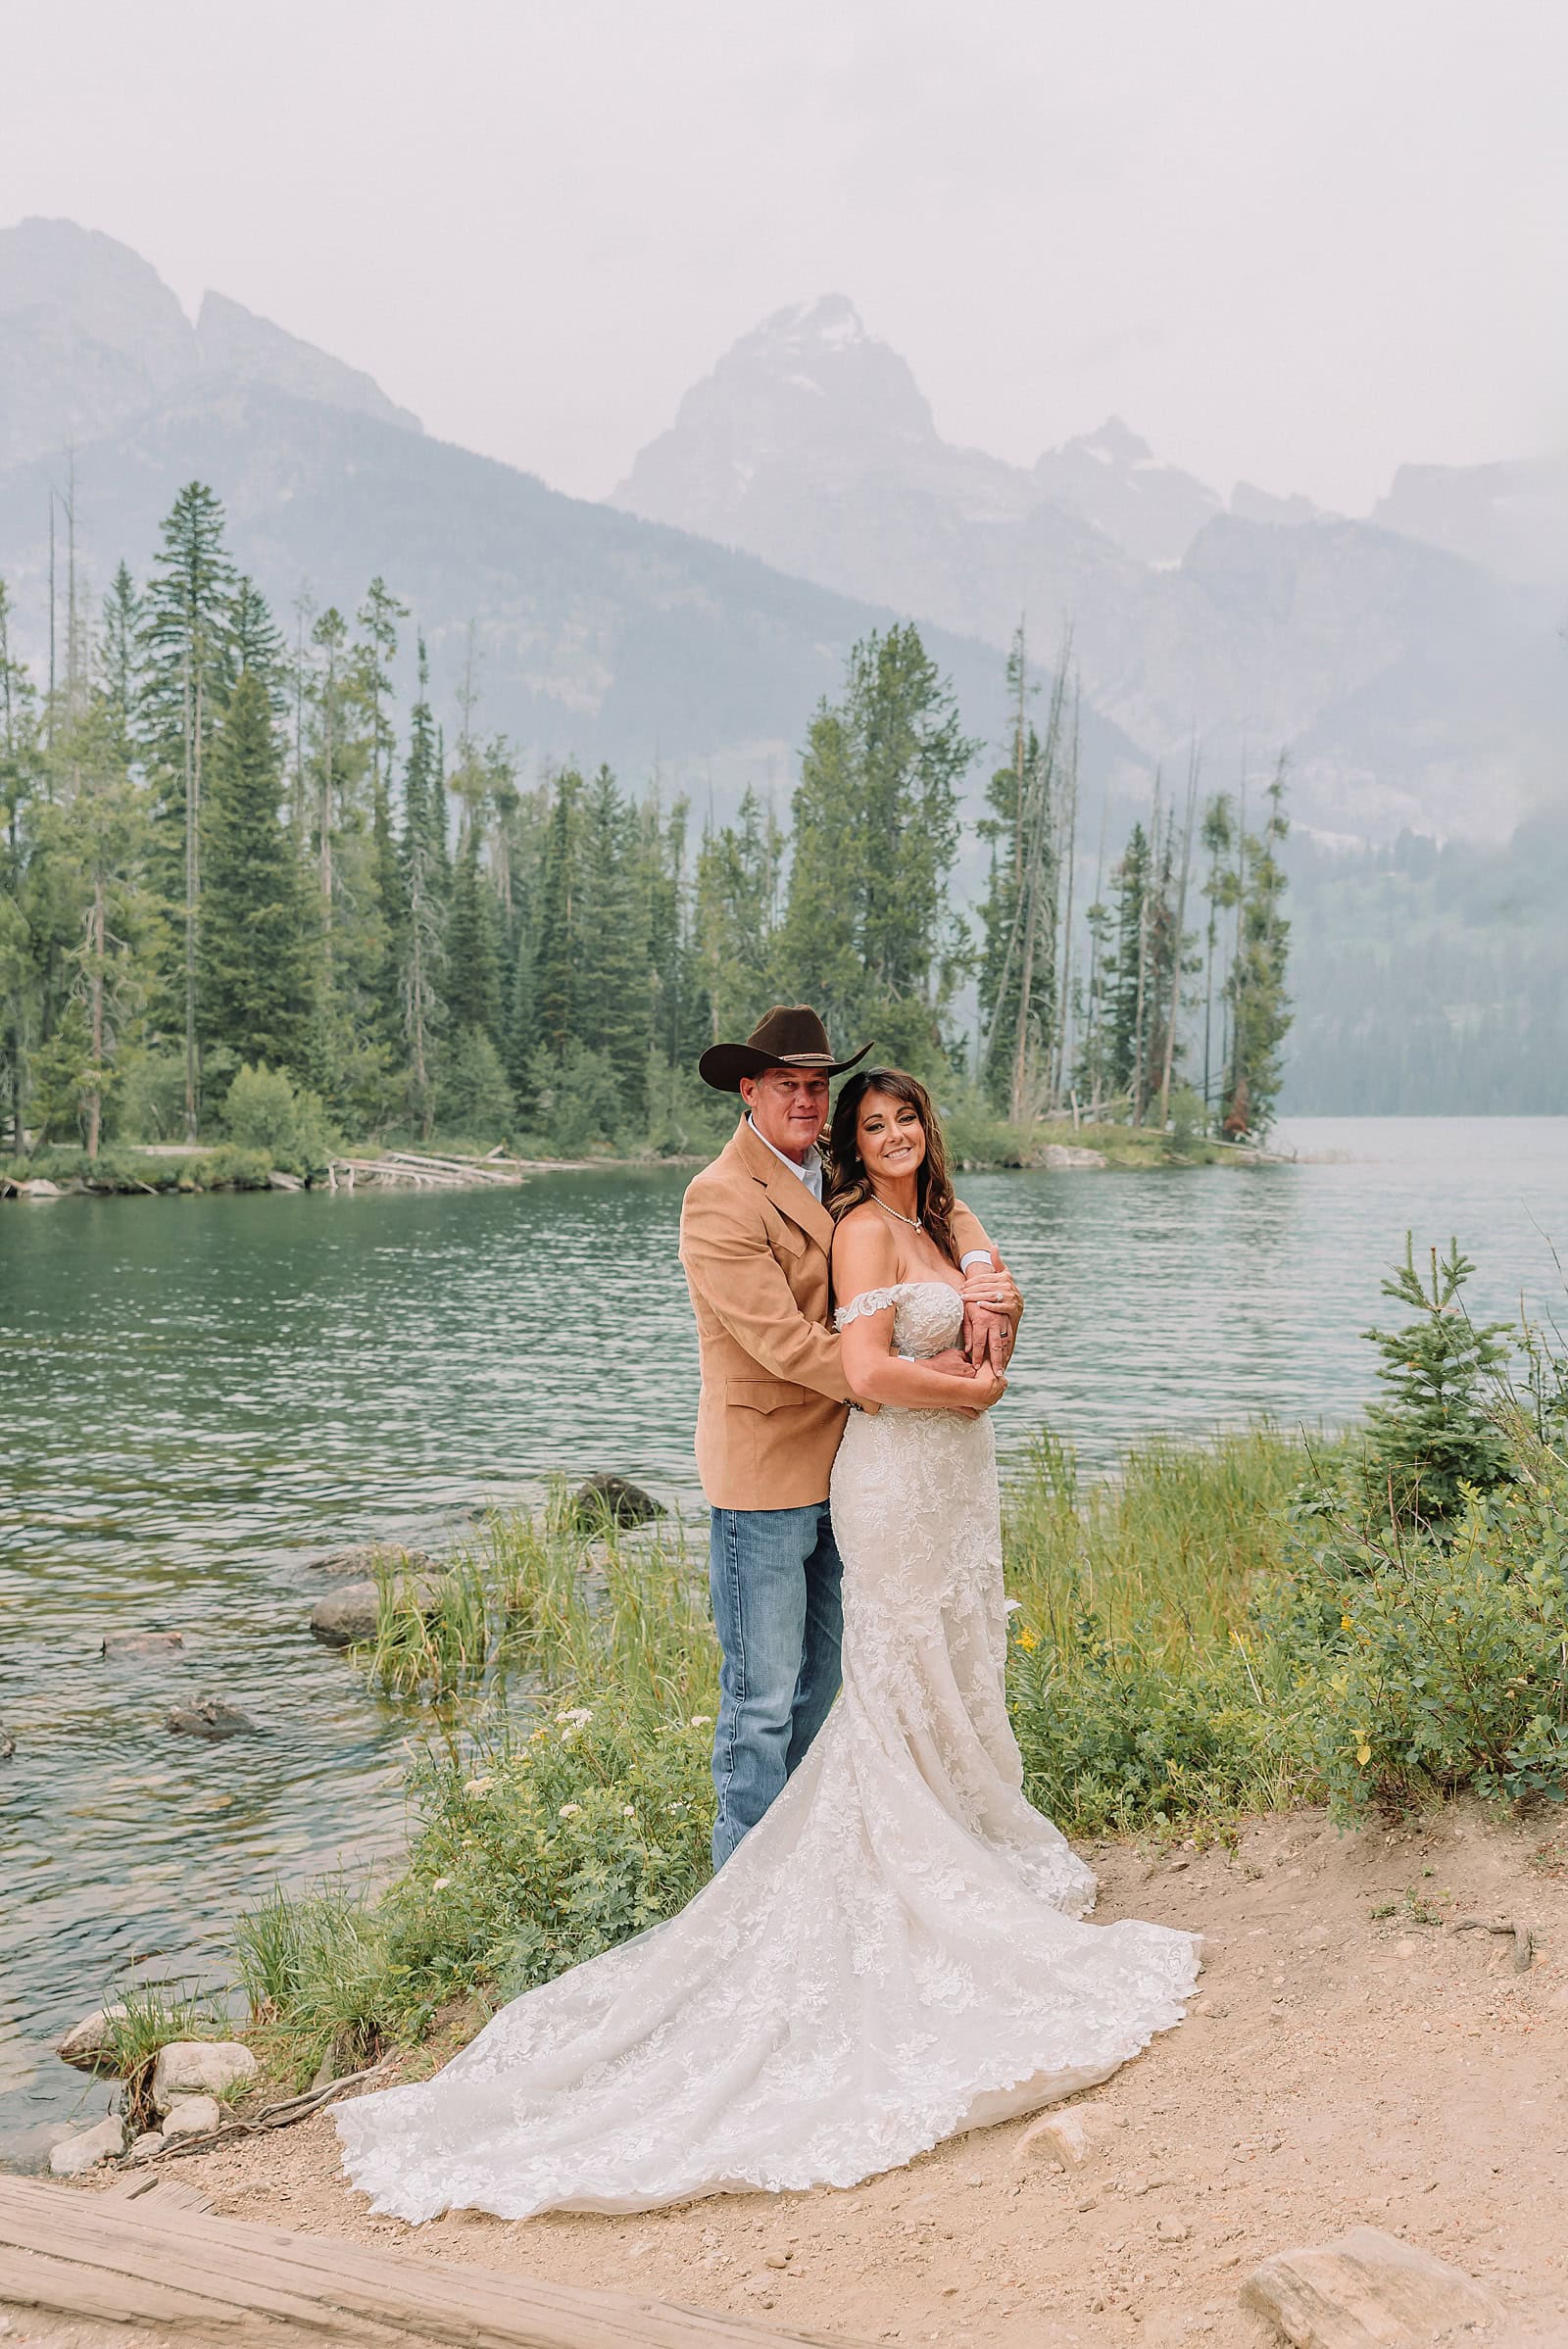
(755, 1246)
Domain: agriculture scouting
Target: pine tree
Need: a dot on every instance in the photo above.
(867, 932)
(187, 669)
(119, 656)
(1256, 989)
(1123, 968)
(96, 836)
(422, 861)
(21, 761)
(612, 1014)
(1020, 976)
(739, 885)
(1435, 1433)
(258, 942)
(473, 966)
(256, 643)
(562, 956)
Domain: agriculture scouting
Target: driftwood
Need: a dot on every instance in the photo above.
(272, 2116)
(200, 2283)
(1524, 1940)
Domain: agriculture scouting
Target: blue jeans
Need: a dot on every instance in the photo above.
(774, 1575)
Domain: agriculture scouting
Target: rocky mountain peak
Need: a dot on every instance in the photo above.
(93, 337)
(1113, 479)
(233, 343)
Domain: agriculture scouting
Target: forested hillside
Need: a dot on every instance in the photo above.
(1432, 978)
(245, 891)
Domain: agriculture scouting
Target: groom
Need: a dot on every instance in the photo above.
(754, 1242)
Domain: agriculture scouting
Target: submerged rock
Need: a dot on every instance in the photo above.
(364, 1560)
(212, 1718)
(8, 1743)
(615, 1498)
(87, 2148)
(198, 2068)
(142, 1644)
(89, 2044)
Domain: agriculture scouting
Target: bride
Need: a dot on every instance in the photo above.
(895, 1952)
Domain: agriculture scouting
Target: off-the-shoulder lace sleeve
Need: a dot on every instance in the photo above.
(869, 1300)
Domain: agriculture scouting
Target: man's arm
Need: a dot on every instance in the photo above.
(991, 1306)
(741, 1281)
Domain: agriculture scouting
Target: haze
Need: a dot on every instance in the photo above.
(1298, 244)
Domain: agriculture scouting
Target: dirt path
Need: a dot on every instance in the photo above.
(1350, 2059)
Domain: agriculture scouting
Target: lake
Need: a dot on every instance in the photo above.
(197, 1395)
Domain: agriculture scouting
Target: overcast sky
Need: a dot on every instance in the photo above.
(1295, 241)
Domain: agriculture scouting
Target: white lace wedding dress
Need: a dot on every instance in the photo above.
(893, 1954)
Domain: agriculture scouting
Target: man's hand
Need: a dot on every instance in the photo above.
(953, 1362)
(991, 1311)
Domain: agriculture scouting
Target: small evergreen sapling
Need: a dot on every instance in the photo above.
(1435, 1433)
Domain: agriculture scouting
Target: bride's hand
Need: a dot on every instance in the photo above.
(989, 1387)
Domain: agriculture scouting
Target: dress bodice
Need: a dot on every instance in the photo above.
(927, 1316)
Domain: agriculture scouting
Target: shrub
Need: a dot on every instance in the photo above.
(265, 1110)
(1442, 1661)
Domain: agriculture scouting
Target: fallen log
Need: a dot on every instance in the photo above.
(222, 2283)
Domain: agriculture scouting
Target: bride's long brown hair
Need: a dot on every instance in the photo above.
(849, 1184)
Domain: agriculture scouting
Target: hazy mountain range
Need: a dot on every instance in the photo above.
(597, 636)
(1410, 662)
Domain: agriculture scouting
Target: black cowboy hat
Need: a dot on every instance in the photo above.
(789, 1036)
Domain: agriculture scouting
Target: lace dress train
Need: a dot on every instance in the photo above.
(893, 1954)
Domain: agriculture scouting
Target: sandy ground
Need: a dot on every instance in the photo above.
(1350, 2059)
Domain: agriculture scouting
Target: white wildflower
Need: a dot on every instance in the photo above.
(479, 1786)
(701, 1721)
(568, 1810)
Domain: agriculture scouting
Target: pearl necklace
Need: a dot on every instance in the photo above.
(913, 1221)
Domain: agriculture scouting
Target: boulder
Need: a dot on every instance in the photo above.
(142, 1644)
(1060, 1156)
(281, 1181)
(1072, 2138)
(148, 2142)
(198, 2068)
(192, 2116)
(606, 1496)
(88, 2044)
(1366, 2291)
(212, 1718)
(87, 2148)
(346, 1614)
(350, 1612)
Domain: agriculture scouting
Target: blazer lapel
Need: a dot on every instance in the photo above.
(787, 1192)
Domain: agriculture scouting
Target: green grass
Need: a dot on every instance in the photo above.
(1215, 1629)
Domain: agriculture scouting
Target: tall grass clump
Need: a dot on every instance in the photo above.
(573, 1808)
(1139, 1692)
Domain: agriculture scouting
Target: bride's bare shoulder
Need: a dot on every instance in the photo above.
(863, 1240)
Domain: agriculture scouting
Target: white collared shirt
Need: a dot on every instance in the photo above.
(809, 1171)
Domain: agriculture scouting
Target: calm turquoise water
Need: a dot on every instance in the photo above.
(196, 1395)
